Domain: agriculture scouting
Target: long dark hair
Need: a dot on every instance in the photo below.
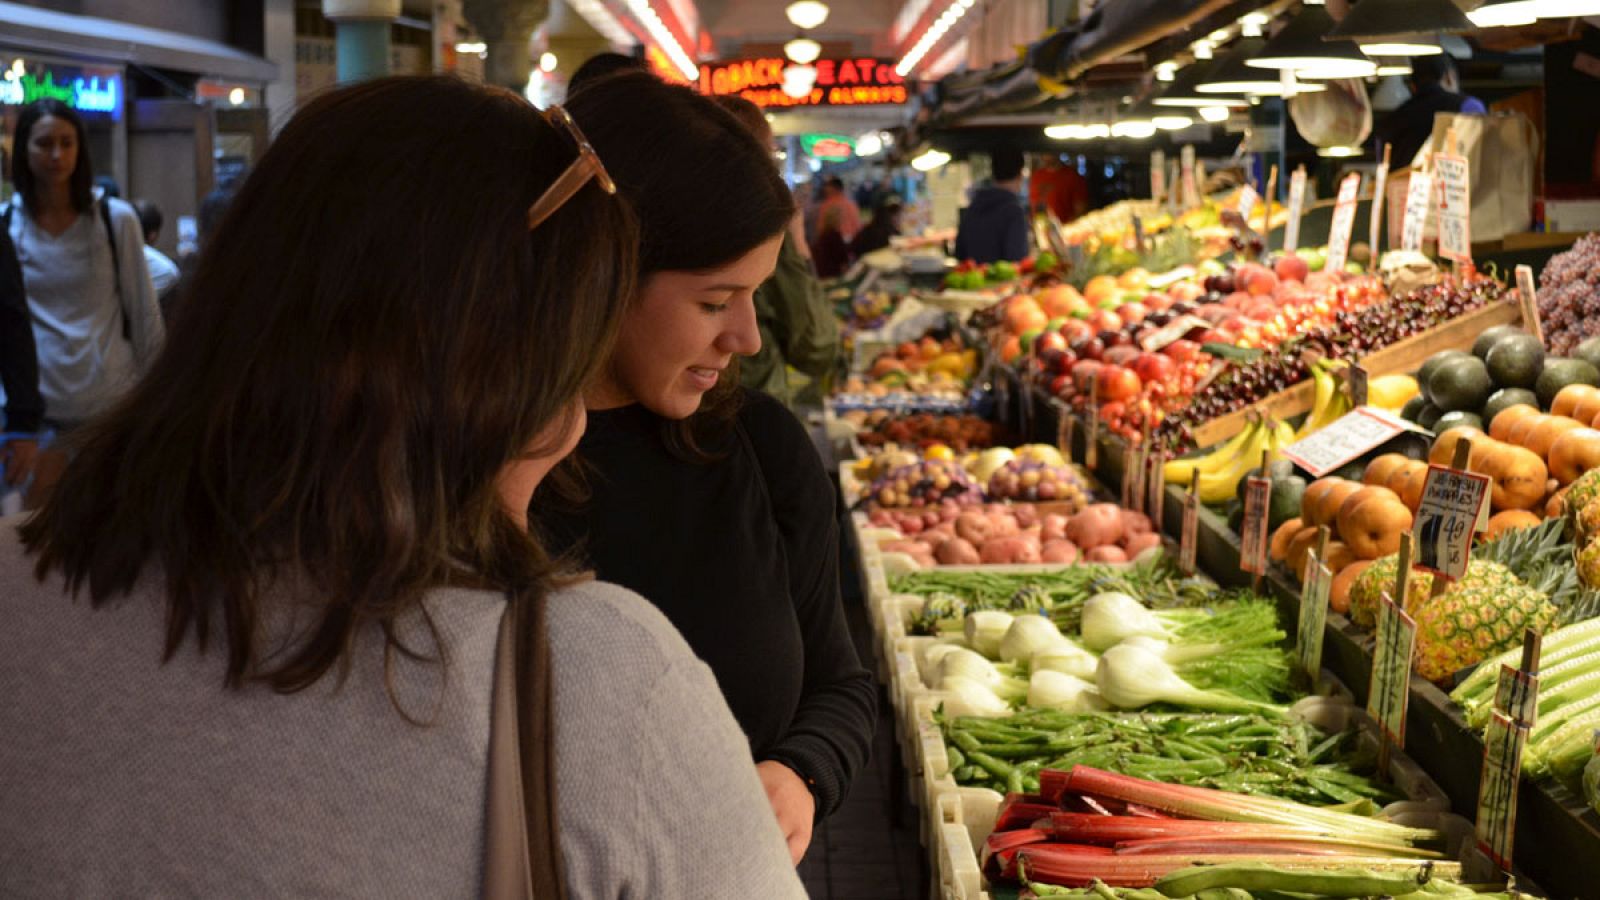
(706, 192)
(372, 335)
(81, 187)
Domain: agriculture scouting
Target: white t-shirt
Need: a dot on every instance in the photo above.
(163, 271)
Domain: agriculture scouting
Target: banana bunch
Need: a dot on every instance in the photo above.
(1220, 471)
(1331, 401)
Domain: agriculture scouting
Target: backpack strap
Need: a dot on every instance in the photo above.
(116, 265)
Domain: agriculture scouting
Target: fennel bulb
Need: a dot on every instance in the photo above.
(1067, 658)
(1113, 617)
(931, 655)
(985, 629)
(1054, 690)
(963, 663)
(970, 698)
(1028, 635)
(1131, 677)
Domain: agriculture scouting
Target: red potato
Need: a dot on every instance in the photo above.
(1053, 527)
(1012, 549)
(1109, 553)
(1139, 543)
(941, 532)
(931, 518)
(881, 518)
(1026, 515)
(1134, 523)
(974, 527)
(1096, 526)
(957, 552)
(1059, 551)
(924, 560)
(910, 525)
(1004, 524)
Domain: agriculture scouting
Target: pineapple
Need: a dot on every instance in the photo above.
(1582, 493)
(1588, 521)
(1368, 588)
(1589, 562)
(1483, 614)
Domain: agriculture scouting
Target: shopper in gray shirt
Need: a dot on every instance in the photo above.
(249, 641)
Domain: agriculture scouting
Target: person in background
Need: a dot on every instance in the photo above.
(884, 224)
(797, 326)
(599, 66)
(835, 207)
(705, 496)
(19, 374)
(995, 225)
(108, 187)
(96, 322)
(1058, 188)
(304, 545)
(1436, 88)
(164, 272)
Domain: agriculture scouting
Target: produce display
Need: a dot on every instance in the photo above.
(961, 432)
(1569, 296)
(930, 365)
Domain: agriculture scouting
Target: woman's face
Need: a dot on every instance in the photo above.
(682, 332)
(520, 477)
(52, 150)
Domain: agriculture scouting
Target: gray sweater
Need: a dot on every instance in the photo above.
(120, 776)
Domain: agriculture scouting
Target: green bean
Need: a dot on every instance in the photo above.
(957, 758)
(995, 767)
(1326, 883)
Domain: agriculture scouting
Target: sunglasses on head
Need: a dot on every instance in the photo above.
(587, 166)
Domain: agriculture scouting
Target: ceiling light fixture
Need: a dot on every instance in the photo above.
(1182, 90)
(1254, 24)
(1303, 47)
(932, 36)
(601, 19)
(1166, 71)
(1566, 9)
(1233, 75)
(869, 144)
(807, 14)
(1202, 49)
(1400, 27)
(1504, 14)
(472, 47)
(1171, 121)
(1135, 129)
(1338, 152)
(1394, 67)
(930, 160)
(548, 62)
(1215, 114)
(802, 50)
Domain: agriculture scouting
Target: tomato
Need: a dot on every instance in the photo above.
(1119, 383)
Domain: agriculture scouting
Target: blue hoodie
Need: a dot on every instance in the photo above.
(994, 227)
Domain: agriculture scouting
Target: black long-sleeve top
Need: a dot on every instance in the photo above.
(19, 358)
(741, 554)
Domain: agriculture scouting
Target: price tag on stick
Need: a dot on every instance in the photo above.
(1191, 193)
(1419, 202)
(1344, 223)
(1189, 534)
(1528, 298)
(1454, 506)
(1248, 198)
(1389, 690)
(1375, 224)
(1136, 463)
(1313, 617)
(1253, 537)
(1158, 176)
(1503, 744)
(1355, 380)
(1266, 208)
(1297, 205)
(1064, 423)
(1517, 695)
(1155, 478)
(1455, 208)
(1091, 450)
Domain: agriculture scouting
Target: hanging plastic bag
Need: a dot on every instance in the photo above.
(1340, 116)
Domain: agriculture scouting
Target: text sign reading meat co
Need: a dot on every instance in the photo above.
(865, 81)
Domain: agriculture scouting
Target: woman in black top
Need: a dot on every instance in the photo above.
(704, 497)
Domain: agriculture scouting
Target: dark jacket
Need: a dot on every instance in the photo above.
(1408, 128)
(994, 227)
(797, 327)
(19, 358)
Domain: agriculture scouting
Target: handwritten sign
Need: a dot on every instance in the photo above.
(1136, 494)
(1356, 380)
(1344, 223)
(1455, 208)
(1419, 200)
(1091, 447)
(1313, 617)
(1253, 533)
(1297, 206)
(1391, 670)
(1174, 200)
(1189, 534)
(1158, 175)
(1503, 744)
(1138, 234)
(1528, 298)
(1517, 695)
(1375, 224)
(1064, 423)
(1155, 479)
(1454, 506)
(1347, 438)
(1248, 198)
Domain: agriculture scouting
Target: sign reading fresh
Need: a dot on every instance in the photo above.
(95, 92)
(828, 147)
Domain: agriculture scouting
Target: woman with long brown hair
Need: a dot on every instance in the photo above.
(707, 498)
(282, 621)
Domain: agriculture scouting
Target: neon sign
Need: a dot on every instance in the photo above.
(864, 81)
(828, 147)
(95, 93)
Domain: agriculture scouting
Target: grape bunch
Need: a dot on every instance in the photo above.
(924, 483)
(1569, 296)
(1352, 335)
(1032, 480)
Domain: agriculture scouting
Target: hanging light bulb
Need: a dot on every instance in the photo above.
(869, 144)
(930, 160)
(1137, 129)
(1504, 14)
(802, 50)
(1214, 114)
(1166, 71)
(807, 14)
(1254, 24)
(1202, 49)
(798, 80)
(1171, 121)
(547, 62)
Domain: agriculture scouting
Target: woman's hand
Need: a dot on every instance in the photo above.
(17, 459)
(792, 803)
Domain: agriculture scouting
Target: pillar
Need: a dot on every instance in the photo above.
(506, 26)
(362, 36)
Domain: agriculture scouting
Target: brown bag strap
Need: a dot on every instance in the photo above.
(522, 850)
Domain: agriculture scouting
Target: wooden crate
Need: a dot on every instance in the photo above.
(1405, 356)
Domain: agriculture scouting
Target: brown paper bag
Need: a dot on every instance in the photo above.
(1502, 150)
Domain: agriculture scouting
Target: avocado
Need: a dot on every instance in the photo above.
(1456, 419)
(1285, 504)
(1462, 383)
(1560, 372)
(1507, 397)
(1409, 444)
(1429, 415)
(1433, 362)
(1350, 471)
(1235, 516)
(1515, 360)
(1412, 407)
(1492, 336)
(1589, 351)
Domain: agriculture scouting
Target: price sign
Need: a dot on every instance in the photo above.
(1091, 449)
(1253, 536)
(1170, 332)
(1344, 223)
(1419, 200)
(1391, 670)
(1297, 205)
(1375, 224)
(1064, 423)
(1355, 381)
(1174, 201)
(1189, 535)
(1137, 465)
(1138, 234)
(1313, 616)
(1503, 743)
(1191, 195)
(1517, 695)
(1454, 506)
(1155, 479)
(1528, 297)
(1455, 210)
(1158, 175)
(1248, 198)
(1350, 436)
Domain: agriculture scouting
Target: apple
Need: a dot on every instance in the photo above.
(1118, 383)
(1261, 283)
(1291, 267)
(1049, 341)
(1061, 385)
(1083, 370)
(1132, 312)
(1156, 302)
(1153, 368)
(1073, 329)
(1105, 320)
(1088, 348)
(1181, 351)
